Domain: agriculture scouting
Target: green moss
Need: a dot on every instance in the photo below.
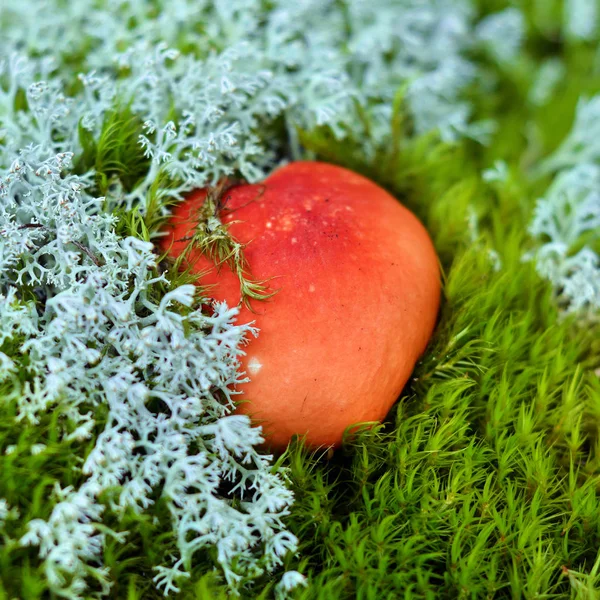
(484, 480)
(116, 154)
(32, 461)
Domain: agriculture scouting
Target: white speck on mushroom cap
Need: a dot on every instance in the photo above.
(254, 365)
(286, 223)
(311, 288)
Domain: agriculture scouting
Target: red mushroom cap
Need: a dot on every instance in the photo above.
(359, 289)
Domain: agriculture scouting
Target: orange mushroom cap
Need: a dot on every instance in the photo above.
(358, 294)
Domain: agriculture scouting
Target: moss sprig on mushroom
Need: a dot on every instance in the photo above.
(213, 239)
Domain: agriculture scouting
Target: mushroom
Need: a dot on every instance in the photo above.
(358, 288)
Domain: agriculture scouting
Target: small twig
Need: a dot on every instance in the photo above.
(98, 262)
(89, 253)
(217, 193)
(257, 197)
(32, 226)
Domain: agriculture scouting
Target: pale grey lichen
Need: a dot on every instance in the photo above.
(7, 513)
(289, 582)
(582, 144)
(581, 19)
(549, 77)
(503, 34)
(569, 211)
(476, 238)
(566, 221)
(96, 339)
(498, 172)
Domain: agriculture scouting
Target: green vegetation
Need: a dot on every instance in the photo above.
(484, 482)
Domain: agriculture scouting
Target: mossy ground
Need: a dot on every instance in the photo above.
(484, 482)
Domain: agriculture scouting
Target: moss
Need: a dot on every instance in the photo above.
(116, 154)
